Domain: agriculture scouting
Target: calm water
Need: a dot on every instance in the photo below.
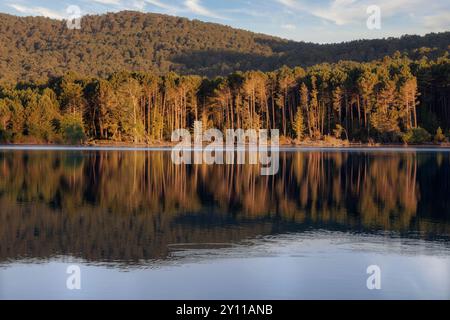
(140, 227)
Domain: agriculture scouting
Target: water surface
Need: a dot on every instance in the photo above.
(141, 227)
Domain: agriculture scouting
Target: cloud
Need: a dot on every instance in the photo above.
(195, 7)
(289, 27)
(248, 12)
(138, 5)
(439, 22)
(187, 7)
(110, 2)
(123, 5)
(344, 12)
(341, 12)
(168, 8)
(296, 5)
(38, 11)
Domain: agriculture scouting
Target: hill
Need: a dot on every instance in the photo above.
(37, 48)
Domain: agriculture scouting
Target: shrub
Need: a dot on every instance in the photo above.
(285, 140)
(339, 131)
(439, 137)
(335, 142)
(416, 136)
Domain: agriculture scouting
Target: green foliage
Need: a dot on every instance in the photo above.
(5, 136)
(13, 118)
(428, 119)
(40, 116)
(72, 128)
(416, 136)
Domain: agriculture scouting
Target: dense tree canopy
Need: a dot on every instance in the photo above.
(36, 48)
(390, 100)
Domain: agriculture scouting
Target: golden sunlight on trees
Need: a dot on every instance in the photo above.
(392, 100)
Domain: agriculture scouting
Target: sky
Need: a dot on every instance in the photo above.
(321, 21)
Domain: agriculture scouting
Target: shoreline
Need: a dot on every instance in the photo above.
(168, 146)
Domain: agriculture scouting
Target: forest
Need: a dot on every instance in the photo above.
(392, 100)
(38, 48)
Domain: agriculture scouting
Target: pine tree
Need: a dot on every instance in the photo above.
(299, 124)
(304, 105)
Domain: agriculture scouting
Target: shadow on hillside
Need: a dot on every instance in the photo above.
(219, 62)
(222, 62)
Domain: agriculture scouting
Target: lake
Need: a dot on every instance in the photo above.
(138, 226)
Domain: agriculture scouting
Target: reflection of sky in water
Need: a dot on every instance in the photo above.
(294, 266)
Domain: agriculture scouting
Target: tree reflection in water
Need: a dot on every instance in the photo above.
(106, 206)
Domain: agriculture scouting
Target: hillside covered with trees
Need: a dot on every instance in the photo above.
(126, 89)
(38, 48)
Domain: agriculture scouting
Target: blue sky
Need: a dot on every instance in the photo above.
(320, 21)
